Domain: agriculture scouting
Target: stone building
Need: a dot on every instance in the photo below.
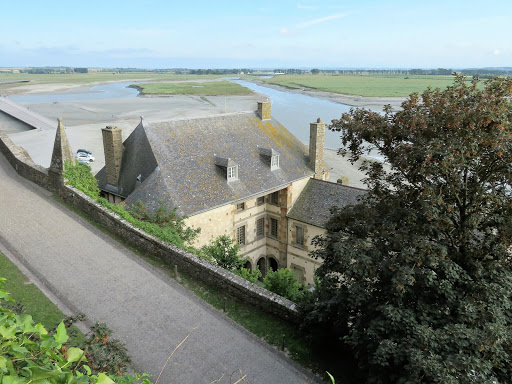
(235, 174)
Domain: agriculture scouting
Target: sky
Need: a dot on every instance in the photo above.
(256, 34)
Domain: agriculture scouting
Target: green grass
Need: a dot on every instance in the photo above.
(363, 85)
(212, 88)
(35, 302)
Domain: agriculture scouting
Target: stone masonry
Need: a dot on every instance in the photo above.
(264, 110)
(113, 148)
(316, 148)
(61, 150)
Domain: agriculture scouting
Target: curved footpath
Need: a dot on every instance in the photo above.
(149, 312)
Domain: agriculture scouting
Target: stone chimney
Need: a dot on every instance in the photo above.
(264, 110)
(316, 148)
(113, 148)
(61, 150)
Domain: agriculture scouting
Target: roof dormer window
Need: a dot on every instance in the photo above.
(274, 162)
(269, 156)
(233, 173)
(228, 165)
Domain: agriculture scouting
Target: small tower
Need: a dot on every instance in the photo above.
(113, 149)
(264, 110)
(316, 148)
(61, 150)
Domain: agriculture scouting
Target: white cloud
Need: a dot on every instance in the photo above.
(286, 31)
(321, 20)
(497, 52)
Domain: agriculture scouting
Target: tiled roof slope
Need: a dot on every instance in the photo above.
(184, 151)
(318, 197)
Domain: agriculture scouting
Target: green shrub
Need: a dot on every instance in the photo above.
(79, 176)
(223, 251)
(253, 276)
(284, 283)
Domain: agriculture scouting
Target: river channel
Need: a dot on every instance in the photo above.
(295, 111)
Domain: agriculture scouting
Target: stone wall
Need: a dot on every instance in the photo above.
(228, 282)
(22, 163)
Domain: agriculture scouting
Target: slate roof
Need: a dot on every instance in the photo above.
(318, 197)
(177, 161)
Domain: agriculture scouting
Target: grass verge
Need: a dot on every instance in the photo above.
(212, 88)
(24, 292)
(362, 85)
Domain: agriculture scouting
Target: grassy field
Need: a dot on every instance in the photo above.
(364, 85)
(97, 77)
(213, 88)
(35, 302)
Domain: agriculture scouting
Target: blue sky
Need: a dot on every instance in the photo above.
(270, 34)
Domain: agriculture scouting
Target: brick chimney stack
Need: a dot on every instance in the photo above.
(113, 148)
(316, 148)
(264, 110)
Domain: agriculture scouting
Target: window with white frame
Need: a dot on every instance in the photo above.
(299, 236)
(273, 227)
(260, 226)
(260, 200)
(233, 173)
(240, 207)
(274, 162)
(240, 235)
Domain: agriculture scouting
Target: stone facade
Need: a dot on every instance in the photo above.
(298, 250)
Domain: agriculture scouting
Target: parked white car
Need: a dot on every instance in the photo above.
(84, 157)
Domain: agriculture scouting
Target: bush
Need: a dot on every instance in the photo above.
(284, 283)
(223, 251)
(253, 276)
(79, 176)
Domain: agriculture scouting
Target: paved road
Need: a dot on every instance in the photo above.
(150, 313)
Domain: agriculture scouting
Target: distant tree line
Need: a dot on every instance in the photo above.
(235, 71)
(53, 70)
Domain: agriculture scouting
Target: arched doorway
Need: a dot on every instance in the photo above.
(248, 265)
(273, 264)
(262, 266)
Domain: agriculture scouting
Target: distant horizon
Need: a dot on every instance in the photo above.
(376, 34)
(261, 68)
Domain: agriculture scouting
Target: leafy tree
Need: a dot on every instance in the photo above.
(417, 278)
(223, 251)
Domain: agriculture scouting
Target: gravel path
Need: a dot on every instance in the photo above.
(150, 313)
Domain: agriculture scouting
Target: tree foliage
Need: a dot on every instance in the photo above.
(417, 278)
(284, 283)
(224, 252)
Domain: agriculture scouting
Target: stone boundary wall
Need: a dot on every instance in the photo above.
(228, 282)
(23, 163)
